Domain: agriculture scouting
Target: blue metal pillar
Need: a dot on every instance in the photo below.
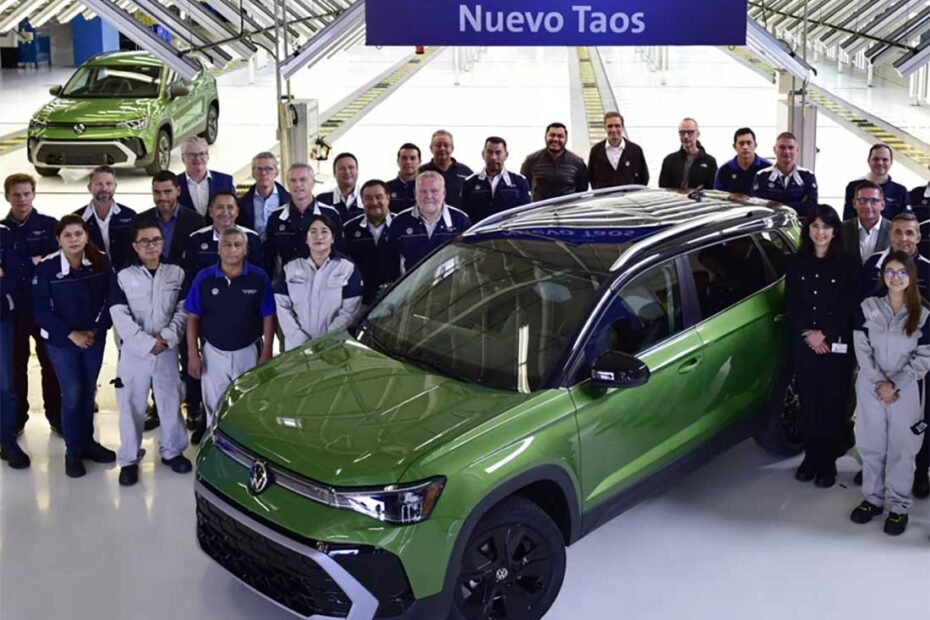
(92, 37)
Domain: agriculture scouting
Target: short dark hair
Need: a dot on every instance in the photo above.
(232, 195)
(345, 156)
(829, 216)
(410, 146)
(881, 145)
(102, 170)
(869, 185)
(375, 183)
(786, 135)
(744, 130)
(907, 216)
(143, 224)
(166, 175)
(496, 140)
(609, 115)
(556, 126)
(329, 222)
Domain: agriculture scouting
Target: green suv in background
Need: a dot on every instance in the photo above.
(516, 390)
(123, 109)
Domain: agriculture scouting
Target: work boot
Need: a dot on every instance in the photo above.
(74, 467)
(865, 512)
(896, 523)
(14, 456)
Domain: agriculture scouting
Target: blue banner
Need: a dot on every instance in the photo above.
(555, 22)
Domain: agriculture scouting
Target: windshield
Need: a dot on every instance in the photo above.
(102, 82)
(490, 312)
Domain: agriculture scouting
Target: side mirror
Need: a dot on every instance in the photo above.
(179, 90)
(619, 370)
(55, 90)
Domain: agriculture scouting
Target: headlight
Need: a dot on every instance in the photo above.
(136, 125)
(35, 124)
(401, 504)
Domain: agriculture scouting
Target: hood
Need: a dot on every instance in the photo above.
(341, 413)
(95, 111)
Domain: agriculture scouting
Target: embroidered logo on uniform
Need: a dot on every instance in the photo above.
(249, 291)
(409, 231)
(59, 275)
(393, 194)
(38, 233)
(203, 246)
(215, 291)
(627, 164)
(281, 227)
(358, 233)
(734, 176)
(35, 280)
(771, 184)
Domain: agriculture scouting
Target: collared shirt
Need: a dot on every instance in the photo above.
(167, 228)
(284, 234)
(371, 251)
(32, 237)
(113, 234)
(263, 208)
(797, 189)
(66, 299)
(402, 193)
(867, 239)
(454, 177)
(483, 195)
(203, 248)
(614, 153)
(412, 237)
(348, 206)
(732, 178)
(200, 193)
(104, 225)
(231, 311)
(896, 199)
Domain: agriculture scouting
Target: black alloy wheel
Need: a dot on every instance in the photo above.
(512, 566)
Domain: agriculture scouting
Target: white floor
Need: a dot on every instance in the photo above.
(736, 538)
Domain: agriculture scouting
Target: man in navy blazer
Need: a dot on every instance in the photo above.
(198, 183)
(265, 195)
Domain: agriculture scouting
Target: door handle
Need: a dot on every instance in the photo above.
(780, 318)
(689, 365)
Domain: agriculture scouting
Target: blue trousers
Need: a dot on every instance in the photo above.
(77, 371)
(7, 393)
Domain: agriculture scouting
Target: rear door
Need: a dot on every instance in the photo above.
(627, 434)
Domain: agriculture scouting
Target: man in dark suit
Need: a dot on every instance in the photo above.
(868, 232)
(198, 183)
(265, 196)
(616, 161)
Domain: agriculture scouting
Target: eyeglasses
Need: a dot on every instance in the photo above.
(199, 155)
(144, 242)
(902, 274)
(264, 169)
(687, 132)
(874, 202)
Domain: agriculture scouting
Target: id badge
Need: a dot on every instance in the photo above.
(839, 347)
(920, 428)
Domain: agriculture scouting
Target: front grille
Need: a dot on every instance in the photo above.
(57, 125)
(67, 154)
(289, 578)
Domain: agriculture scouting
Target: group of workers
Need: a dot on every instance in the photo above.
(196, 288)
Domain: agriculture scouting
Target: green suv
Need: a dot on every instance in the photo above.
(520, 387)
(124, 109)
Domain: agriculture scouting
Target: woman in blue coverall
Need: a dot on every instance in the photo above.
(70, 292)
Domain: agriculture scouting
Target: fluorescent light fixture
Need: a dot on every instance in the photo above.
(913, 61)
(211, 24)
(854, 43)
(48, 12)
(173, 22)
(316, 48)
(778, 53)
(12, 20)
(144, 38)
(5, 4)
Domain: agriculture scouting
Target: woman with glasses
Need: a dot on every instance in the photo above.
(821, 293)
(892, 341)
(318, 294)
(147, 307)
(70, 293)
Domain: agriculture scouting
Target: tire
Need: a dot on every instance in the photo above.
(47, 172)
(780, 431)
(520, 584)
(162, 156)
(212, 128)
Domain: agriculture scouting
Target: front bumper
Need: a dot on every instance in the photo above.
(118, 153)
(311, 579)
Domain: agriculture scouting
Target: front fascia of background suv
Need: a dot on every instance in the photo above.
(340, 417)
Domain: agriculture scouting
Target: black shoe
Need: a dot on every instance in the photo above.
(865, 512)
(805, 472)
(857, 479)
(895, 524)
(14, 456)
(129, 475)
(825, 482)
(151, 422)
(194, 416)
(98, 454)
(921, 488)
(179, 464)
(74, 467)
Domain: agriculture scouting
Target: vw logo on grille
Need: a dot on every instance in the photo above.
(79, 128)
(259, 477)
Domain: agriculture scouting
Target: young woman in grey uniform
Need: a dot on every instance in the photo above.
(318, 294)
(892, 340)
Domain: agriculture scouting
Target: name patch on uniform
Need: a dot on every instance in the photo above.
(249, 291)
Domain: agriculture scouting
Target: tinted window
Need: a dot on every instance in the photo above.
(103, 82)
(777, 250)
(646, 311)
(727, 273)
